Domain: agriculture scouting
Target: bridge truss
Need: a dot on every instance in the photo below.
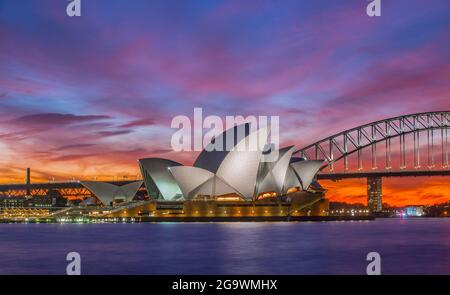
(340, 146)
(67, 189)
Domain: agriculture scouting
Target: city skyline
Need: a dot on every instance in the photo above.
(86, 97)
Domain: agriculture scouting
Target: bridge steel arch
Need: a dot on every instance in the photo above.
(345, 143)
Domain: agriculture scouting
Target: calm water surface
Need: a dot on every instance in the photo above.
(407, 246)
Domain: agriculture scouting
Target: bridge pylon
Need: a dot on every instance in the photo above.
(374, 193)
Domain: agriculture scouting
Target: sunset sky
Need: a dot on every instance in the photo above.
(87, 96)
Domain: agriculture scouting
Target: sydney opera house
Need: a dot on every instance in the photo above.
(237, 174)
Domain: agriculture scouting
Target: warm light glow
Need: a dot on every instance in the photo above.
(229, 199)
(396, 191)
(293, 190)
(267, 195)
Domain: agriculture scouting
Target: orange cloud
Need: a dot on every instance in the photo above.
(396, 191)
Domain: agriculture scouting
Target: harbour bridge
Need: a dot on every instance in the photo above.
(404, 146)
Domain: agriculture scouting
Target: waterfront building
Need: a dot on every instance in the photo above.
(374, 194)
(228, 179)
(414, 211)
(12, 202)
(239, 174)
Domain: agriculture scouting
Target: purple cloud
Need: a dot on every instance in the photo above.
(56, 119)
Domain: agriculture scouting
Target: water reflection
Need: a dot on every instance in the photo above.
(412, 246)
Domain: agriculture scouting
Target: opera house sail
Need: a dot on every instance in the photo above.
(107, 193)
(157, 178)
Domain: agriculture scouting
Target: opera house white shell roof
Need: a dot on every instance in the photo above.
(240, 170)
(107, 192)
(157, 178)
(272, 175)
(221, 144)
(306, 171)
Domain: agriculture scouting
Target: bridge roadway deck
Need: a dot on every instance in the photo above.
(328, 175)
(384, 173)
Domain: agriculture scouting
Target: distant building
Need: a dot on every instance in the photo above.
(57, 199)
(40, 202)
(374, 194)
(52, 199)
(12, 202)
(345, 209)
(438, 210)
(414, 211)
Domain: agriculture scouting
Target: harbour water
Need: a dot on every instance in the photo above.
(406, 246)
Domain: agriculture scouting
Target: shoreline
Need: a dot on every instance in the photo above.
(194, 219)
